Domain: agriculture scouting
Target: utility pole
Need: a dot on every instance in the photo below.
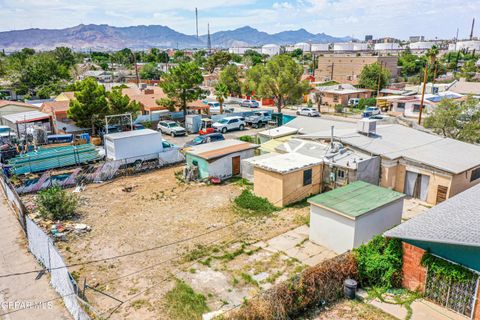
(196, 20)
(423, 93)
(379, 78)
(331, 74)
(471, 32)
(209, 40)
(136, 68)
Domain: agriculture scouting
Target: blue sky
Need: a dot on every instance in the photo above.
(432, 18)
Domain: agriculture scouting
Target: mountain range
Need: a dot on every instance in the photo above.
(105, 37)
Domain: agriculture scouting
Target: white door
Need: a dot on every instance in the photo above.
(425, 180)
(410, 181)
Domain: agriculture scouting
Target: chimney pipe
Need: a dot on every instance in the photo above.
(331, 138)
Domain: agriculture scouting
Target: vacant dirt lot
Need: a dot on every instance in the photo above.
(153, 209)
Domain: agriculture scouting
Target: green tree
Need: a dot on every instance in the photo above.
(217, 60)
(166, 103)
(456, 120)
(221, 92)
(182, 84)
(119, 103)
(180, 56)
(199, 57)
(252, 58)
(65, 56)
(90, 105)
(231, 78)
(297, 53)
(371, 75)
(280, 79)
(150, 71)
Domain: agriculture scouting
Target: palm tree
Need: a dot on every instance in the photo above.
(221, 92)
(431, 55)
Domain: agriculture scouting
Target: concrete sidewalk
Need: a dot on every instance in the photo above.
(19, 292)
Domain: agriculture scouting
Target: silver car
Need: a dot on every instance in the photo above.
(171, 127)
(311, 112)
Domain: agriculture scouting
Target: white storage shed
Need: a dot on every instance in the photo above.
(345, 218)
(134, 145)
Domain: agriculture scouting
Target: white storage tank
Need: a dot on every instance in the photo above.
(289, 48)
(271, 49)
(360, 46)
(387, 46)
(305, 47)
(320, 47)
(238, 50)
(424, 45)
(468, 45)
(347, 46)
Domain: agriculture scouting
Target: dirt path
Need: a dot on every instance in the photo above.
(22, 290)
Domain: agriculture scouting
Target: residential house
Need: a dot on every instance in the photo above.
(347, 217)
(57, 109)
(449, 231)
(67, 95)
(346, 68)
(341, 94)
(220, 159)
(99, 75)
(287, 178)
(465, 88)
(12, 107)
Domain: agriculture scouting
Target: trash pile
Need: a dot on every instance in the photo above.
(59, 230)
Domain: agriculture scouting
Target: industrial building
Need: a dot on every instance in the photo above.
(346, 67)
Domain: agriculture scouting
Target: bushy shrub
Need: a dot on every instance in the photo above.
(339, 108)
(184, 303)
(253, 204)
(363, 103)
(247, 139)
(380, 262)
(56, 204)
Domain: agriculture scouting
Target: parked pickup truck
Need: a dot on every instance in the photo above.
(258, 119)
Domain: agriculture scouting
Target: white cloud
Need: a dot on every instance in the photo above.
(399, 18)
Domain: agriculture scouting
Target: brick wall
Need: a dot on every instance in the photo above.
(476, 311)
(414, 275)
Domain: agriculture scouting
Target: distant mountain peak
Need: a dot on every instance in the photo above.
(105, 37)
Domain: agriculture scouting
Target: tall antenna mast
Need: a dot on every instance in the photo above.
(209, 41)
(471, 32)
(196, 20)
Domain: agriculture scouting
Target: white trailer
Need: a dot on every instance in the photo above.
(131, 146)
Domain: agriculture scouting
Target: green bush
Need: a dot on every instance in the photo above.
(446, 270)
(56, 204)
(363, 103)
(253, 204)
(247, 139)
(339, 108)
(184, 303)
(380, 262)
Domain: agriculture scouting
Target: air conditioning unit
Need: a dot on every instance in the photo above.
(367, 126)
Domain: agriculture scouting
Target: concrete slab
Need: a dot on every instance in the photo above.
(295, 244)
(423, 309)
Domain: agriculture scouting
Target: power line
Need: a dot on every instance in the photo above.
(125, 254)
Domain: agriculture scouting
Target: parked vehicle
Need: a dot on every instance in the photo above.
(311, 112)
(215, 108)
(229, 123)
(371, 111)
(379, 117)
(205, 138)
(250, 104)
(258, 119)
(172, 128)
(353, 102)
(206, 126)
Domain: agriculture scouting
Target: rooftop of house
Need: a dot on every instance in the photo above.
(4, 103)
(454, 221)
(341, 89)
(213, 150)
(50, 106)
(288, 162)
(278, 132)
(23, 117)
(308, 125)
(355, 199)
(465, 87)
(395, 141)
